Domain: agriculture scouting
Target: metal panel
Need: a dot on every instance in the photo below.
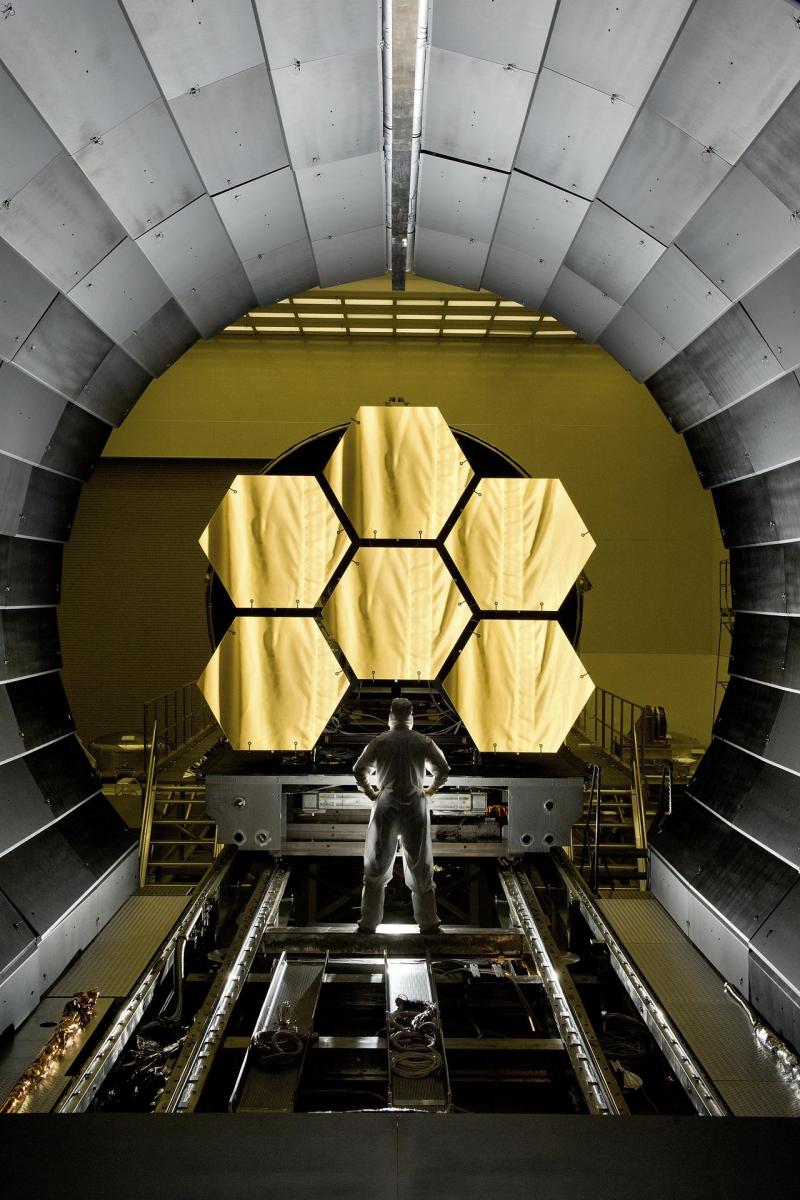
(141, 169)
(757, 798)
(614, 47)
(724, 948)
(360, 255)
(732, 358)
(16, 936)
(744, 512)
(64, 349)
(34, 502)
(661, 176)
(97, 834)
(572, 133)
(59, 223)
(611, 253)
(122, 292)
(79, 63)
(537, 224)
(772, 157)
(767, 648)
(306, 30)
(331, 108)
(774, 307)
(339, 197)
(688, 838)
(579, 304)
(635, 344)
(232, 129)
(284, 272)
(450, 259)
(115, 386)
(29, 413)
(757, 434)
(26, 144)
(459, 198)
(776, 941)
(77, 443)
(40, 787)
(24, 296)
(161, 340)
(766, 579)
(513, 31)
(763, 720)
(44, 877)
(680, 393)
(32, 712)
(219, 299)
(189, 246)
(771, 995)
(741, 233)
(474, 110)
(732, 66)
(744, 883)
(677, 300)
(30, 572)
(28, 642)
(191, 45)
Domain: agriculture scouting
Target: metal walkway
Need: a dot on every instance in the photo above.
(749, 1079)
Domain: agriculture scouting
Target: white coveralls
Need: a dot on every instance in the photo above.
(400, 757)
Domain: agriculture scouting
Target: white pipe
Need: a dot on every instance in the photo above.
(416, 124)
(386, 56)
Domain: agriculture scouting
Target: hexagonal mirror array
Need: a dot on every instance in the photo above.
(397, 612)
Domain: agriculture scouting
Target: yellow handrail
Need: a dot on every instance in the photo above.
(148, 808)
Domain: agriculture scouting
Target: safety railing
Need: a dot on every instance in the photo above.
(182, 716)
(148, 806)
(609, 722)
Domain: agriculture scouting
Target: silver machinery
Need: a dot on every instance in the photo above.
(472, 816)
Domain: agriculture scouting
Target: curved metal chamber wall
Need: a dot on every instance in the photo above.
(163, 167)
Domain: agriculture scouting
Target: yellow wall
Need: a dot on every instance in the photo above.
(565, 410)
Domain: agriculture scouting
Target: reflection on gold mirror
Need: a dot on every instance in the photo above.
(274, 541)
(396, 613)
(273, 683)
(398, 472)
(520, 544)
(518, 686)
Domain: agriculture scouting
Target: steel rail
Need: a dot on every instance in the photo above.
(88, 1081)
(206, 1035)
(599, 1088)
(704, 1096)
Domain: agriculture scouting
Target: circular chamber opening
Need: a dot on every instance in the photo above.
(526, 839)
(262, 837)
(549, 805)
(239, 802)
(239, 837)
(548, 839)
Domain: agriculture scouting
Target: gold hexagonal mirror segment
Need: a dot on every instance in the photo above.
(273, 683)
(518, 686)
(520, 544)
(396, 613)
(274, 541)
(398, 472)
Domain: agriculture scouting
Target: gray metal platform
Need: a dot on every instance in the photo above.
(747, 1076)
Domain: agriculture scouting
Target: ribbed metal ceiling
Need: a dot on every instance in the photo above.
(631, 168)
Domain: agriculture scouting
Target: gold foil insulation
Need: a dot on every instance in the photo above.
(520, 544)
(518, 686)
(274, 541)
(398, 472)
(273, 683)
(396, 613)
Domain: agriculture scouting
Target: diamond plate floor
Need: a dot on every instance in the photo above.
(747, 1076)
